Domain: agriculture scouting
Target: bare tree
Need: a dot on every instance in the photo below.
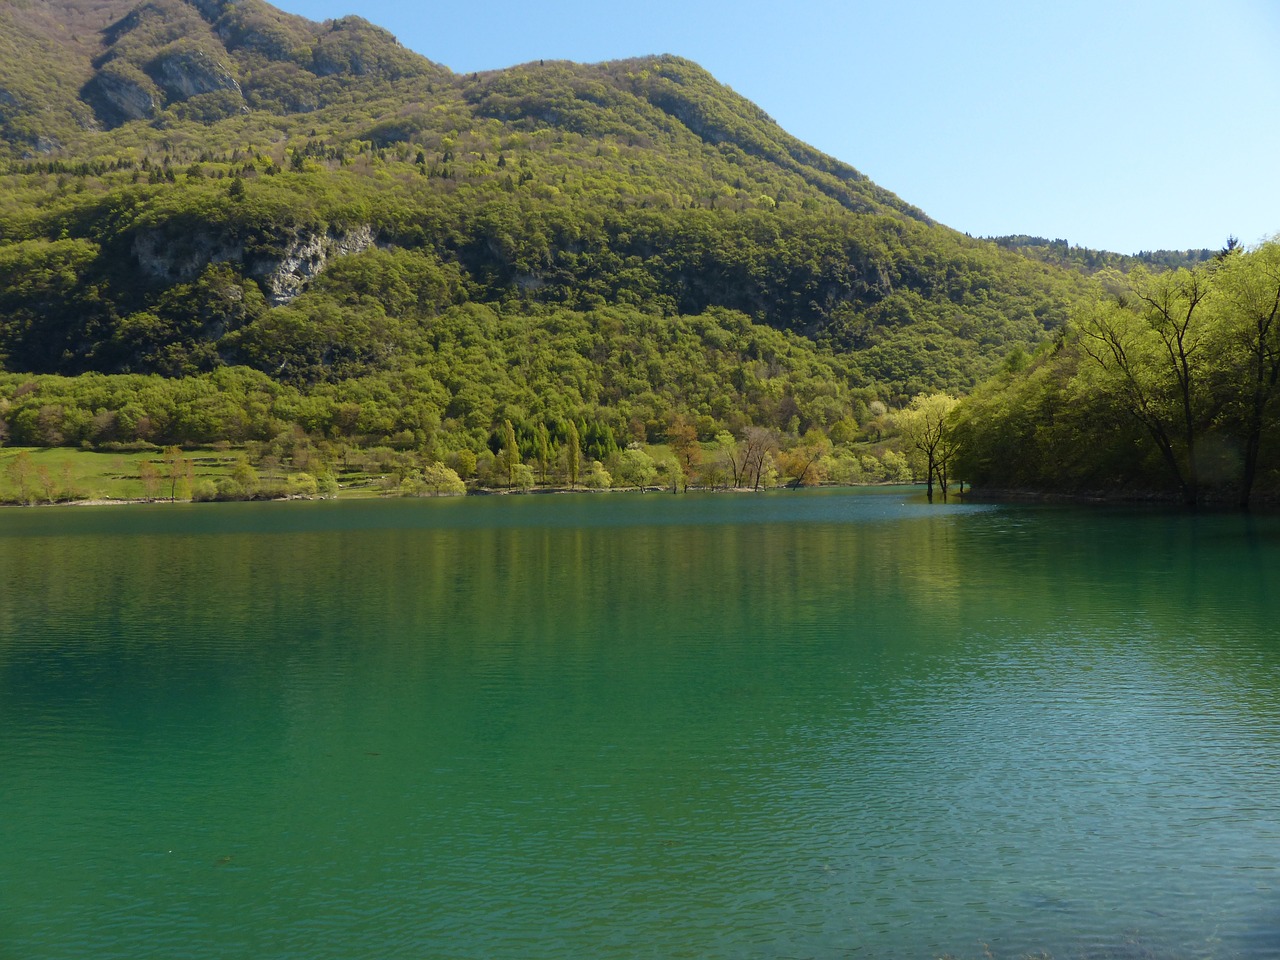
(758, 443)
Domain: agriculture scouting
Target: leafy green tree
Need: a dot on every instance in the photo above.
(1151, 343)
(433, 480)
(572, 454)
(301, 484)
(542, 442)
(927, 427)
(1249, 284)
(327, 485)
(894, 467)
(634, 468)
(443, 481)
(683, 438)
(523, 477)
(244, 478)
(597, 477)
(509, 456)
(843, 431)
(464, 464)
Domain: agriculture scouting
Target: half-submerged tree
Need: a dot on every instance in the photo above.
(801, 463)
(926, 425)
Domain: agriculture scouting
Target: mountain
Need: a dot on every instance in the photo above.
(72, 66)
(214, 189)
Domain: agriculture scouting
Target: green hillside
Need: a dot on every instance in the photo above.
(199, 195)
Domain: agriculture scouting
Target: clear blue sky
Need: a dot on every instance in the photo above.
(1120, 124)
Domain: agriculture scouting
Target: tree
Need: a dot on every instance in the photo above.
(1150, 342)
(435, 479)
(542, 441)
(1250, 288)
(47, 484)
(758, 445)
(327, 484)
(523, 478)
(301, 484)
(597, 477)
(801, 464)
(510, 455)
(178, 470)
(243, 482)
(20, 471)
(634, 468)
(464, 463)
(572, 454)
(879, 419)
(730, 453)
(926, 426)
(668, 472)
(683, 438)
(149, 475)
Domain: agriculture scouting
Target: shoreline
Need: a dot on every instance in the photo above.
(1151, 499)
(1133, 498)
(479, 492)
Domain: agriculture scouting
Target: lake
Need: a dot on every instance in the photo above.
(819, 724)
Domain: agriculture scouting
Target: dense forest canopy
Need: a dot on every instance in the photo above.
(1064, 254)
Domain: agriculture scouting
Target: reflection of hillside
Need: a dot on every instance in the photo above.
(512, 595)
(840, 713)
(188, 605)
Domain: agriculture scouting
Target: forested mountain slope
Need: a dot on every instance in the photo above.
(197, 185)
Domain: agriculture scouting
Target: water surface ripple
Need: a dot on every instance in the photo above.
(826, 725)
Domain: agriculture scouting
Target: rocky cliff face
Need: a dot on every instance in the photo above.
(171, 259)
(159, 53)
(283, 273)
(284, 277)
(185, 73)
(70, 66)
(119, 93)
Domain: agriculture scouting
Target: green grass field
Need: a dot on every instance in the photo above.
(58, 474)
(35, 475)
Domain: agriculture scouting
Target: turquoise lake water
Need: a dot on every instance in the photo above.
(823, 724)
